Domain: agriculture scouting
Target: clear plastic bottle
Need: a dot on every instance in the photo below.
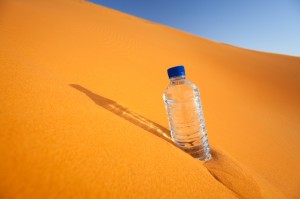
(184, 110)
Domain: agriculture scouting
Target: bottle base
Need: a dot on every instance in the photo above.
(199, 152)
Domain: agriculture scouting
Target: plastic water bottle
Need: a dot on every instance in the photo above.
(184, 110)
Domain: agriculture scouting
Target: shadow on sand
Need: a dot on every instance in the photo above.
(222, 167)
(127, 114)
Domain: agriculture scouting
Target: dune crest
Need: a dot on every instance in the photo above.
(106, 136)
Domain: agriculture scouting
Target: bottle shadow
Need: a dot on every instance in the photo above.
(127, 114)
(221, 167)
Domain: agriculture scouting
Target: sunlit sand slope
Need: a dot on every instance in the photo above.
(82, 116)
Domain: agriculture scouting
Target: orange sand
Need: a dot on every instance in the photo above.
(82, 114)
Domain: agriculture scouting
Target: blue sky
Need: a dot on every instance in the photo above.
(264, 25)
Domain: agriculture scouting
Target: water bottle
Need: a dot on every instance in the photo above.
(184, 110)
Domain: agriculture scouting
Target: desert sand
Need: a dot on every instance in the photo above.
(82, 115)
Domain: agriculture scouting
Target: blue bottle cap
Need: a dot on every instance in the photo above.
(176, 71)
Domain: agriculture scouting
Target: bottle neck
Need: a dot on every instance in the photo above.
(177, 78)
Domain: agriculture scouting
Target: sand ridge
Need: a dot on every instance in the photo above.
(82, 112)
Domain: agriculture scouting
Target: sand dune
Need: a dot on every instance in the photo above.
(82, 114)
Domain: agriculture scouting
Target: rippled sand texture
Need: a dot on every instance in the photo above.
(82, 114)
